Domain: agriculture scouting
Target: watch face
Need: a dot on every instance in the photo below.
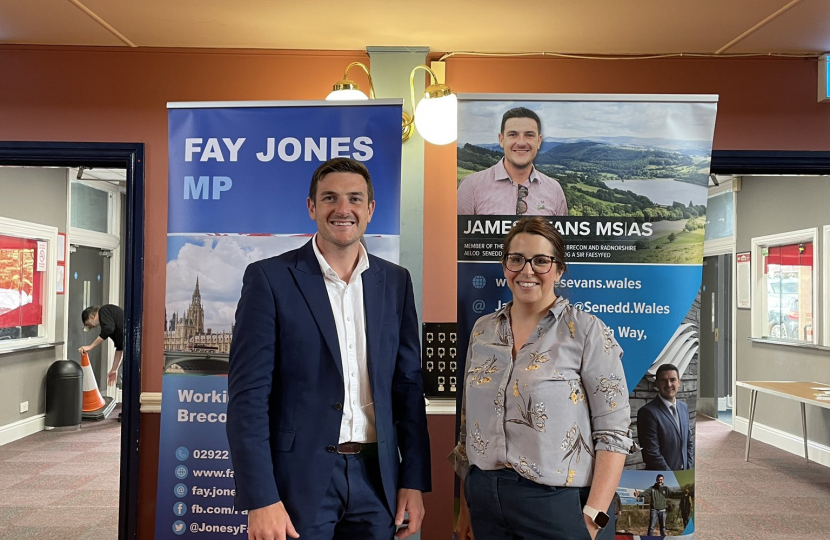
(601, 519)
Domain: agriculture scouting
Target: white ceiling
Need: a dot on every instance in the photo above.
(563, 26)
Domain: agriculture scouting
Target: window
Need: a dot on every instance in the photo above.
(784, 304)
(27, 283)
(91, 208)
(719, 214)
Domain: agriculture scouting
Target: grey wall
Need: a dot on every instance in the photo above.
(772, 205)
(36, 195)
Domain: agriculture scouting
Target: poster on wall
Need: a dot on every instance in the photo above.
(22, 286)
(623, 178)
(239, 176)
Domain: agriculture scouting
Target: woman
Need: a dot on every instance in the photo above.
(545, 415)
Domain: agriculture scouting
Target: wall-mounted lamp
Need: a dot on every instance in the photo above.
(435, 116)
(347, 89)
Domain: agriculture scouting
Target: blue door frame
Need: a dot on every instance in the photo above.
(131, 157)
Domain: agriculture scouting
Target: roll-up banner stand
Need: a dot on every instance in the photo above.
(633, 172)
(239, 175)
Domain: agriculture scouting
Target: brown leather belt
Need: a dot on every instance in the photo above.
(351, 448)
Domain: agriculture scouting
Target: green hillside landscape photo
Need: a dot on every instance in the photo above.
(602, 179)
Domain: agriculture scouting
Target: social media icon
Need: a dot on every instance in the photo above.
(181, 472)
(478, 306)
(179, 508)
(182, 453)
(179, 527)
(180, 490)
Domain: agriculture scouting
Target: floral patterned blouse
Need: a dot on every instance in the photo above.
(547, 413)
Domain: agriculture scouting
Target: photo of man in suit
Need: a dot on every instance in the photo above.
(326, 414)
(663, 427)
(513, 186)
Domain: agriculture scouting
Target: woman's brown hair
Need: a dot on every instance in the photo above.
(542, 227)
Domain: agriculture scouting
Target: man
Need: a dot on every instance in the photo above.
(513, 186)
(659, 495)
(326, 415)
(617, 500)
(663, 426)
(686, 505)
(111, 320)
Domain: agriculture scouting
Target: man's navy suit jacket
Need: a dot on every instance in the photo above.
(665, 448)
(285, 384)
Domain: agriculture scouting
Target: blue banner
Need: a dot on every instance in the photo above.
(239, 177)
(195, 477)
(247, 170)
(643, 305)
(624, 181)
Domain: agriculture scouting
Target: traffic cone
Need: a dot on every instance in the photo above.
(92, 396)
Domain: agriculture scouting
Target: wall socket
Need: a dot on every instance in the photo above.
(24, 406)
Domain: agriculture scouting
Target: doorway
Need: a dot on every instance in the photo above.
(88, 280)
(128, 156)
(715, 396)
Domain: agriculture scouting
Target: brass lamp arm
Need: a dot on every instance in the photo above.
(434, 79)
(366, 70)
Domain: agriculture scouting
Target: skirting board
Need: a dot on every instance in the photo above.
(788, 442)
(22, 428)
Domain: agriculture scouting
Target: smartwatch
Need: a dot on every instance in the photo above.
(598, 517)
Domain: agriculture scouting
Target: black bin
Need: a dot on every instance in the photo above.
(64, 395)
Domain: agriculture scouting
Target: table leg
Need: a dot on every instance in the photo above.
(804, 428)
(753, 397)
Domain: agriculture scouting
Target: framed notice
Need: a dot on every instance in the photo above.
(60, 279)
(61, 247)
(742, 260)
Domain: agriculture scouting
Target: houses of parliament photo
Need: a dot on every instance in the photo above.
(187, 332)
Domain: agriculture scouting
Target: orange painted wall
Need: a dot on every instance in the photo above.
(120, 95)
(765, 104)
(114, 94)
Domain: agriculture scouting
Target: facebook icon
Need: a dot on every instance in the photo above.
(179, 508)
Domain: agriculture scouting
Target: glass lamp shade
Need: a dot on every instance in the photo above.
(436, 119)
(346, 95)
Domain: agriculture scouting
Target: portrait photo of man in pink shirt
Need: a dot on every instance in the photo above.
(513, 186)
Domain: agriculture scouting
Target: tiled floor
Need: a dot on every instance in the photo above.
(62, 485)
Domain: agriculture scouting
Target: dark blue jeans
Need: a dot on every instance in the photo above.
(656, 516)
(505, 506)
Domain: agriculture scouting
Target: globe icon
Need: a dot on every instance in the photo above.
(479, 282)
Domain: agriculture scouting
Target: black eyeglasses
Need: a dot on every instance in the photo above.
(540, 264)
(521, 205)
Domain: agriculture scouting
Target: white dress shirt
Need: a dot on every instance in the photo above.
(358, 422)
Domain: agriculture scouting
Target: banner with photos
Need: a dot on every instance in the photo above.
(624, 180)
(239, 176)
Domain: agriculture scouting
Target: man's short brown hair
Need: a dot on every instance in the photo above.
(341, 165)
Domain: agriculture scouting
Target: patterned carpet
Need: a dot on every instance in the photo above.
(776, 496)
(64, 486)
